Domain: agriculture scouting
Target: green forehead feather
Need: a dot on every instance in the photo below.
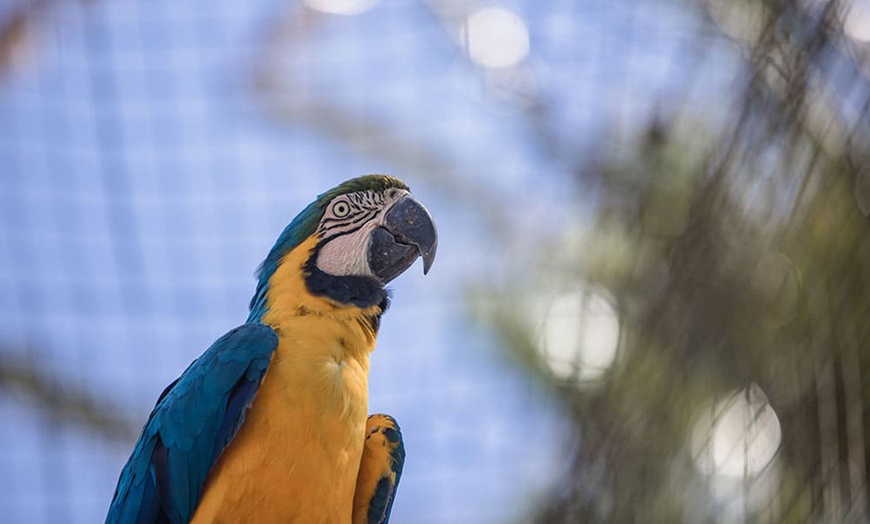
(363, 183)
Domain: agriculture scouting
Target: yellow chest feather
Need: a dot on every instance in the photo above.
(297, 455)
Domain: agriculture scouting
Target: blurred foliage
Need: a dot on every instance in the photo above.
(737, 255)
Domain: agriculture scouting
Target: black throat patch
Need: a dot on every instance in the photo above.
(362, 292)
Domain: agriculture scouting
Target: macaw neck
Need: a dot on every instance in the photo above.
(289, 296)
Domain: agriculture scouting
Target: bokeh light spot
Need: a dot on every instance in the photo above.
(743, 21)
(496, 37)
(738, 436)
(579, 335)
(856, 23)
(341, 7)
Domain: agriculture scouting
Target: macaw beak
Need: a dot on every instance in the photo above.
(406, 233)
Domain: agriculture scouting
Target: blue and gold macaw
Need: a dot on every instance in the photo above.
(269, 424)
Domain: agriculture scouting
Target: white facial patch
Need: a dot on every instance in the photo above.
(348, 231)
(347, 254)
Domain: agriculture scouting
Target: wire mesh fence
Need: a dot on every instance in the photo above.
(650, 298)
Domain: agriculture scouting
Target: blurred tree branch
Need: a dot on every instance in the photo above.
(20, 376)
(19, 26)
(14, 33)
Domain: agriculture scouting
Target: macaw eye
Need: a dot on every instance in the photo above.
(341, 209)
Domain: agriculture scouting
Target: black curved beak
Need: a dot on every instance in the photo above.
(408, 232)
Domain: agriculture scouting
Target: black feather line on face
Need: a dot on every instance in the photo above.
(360, 220)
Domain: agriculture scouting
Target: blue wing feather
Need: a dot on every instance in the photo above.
(195, 418)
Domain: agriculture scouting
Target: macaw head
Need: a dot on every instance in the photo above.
(358, 237)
